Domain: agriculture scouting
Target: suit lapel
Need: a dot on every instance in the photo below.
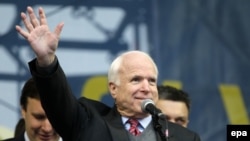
(116, 127)
(18, 138)
(21, 138)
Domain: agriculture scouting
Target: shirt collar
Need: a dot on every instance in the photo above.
(26, 138)
(144, 122)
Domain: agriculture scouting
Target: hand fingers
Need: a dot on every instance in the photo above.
(32, 16)
(26, 22)
(42, 16)
(58, 29)
(22, 32)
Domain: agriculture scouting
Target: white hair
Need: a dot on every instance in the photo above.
(113, 73)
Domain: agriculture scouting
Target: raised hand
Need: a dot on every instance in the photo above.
(43, 42)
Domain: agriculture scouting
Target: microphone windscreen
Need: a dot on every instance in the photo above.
(145, 103)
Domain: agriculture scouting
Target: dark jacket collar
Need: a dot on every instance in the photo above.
(117, 130)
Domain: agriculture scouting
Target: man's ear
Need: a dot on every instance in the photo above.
(23, 112)
(112, 89)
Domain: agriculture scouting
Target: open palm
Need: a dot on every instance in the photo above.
(43, 42)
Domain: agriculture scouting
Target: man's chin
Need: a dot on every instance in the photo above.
(46, 138)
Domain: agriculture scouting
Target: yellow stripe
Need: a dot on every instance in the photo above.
(234, 104)
(95, 87)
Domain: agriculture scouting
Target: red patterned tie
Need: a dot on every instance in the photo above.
(134, 127)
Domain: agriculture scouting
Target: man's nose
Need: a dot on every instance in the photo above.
(172, 120)
(145, 85)
(47, 127)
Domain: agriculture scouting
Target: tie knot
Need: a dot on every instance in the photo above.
(134, 127)
(133, 122)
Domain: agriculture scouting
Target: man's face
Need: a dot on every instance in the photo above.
(175, 111)
(37, 124)
(137, 82)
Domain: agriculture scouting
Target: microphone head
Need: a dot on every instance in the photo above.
(145, 103)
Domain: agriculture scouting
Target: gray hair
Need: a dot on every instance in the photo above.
(113, 73)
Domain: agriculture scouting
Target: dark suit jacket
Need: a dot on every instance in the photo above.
(19, 138)
(85, 119)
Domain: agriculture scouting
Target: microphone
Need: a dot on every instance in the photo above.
(148, 106)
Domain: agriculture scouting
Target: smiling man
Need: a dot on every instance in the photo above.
(37, 126)
(132, 78)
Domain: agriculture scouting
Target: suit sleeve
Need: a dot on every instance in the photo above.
(60, 105)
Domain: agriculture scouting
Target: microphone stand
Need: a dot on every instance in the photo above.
(158, 127)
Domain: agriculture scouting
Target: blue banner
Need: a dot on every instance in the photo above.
(199, 46)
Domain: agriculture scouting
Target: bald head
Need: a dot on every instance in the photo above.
(126, 59)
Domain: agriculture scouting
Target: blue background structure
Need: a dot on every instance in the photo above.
(200, 46)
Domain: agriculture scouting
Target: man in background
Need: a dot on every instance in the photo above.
(175, 104)
(36, 126)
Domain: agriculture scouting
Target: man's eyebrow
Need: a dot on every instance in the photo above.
(182, 118)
